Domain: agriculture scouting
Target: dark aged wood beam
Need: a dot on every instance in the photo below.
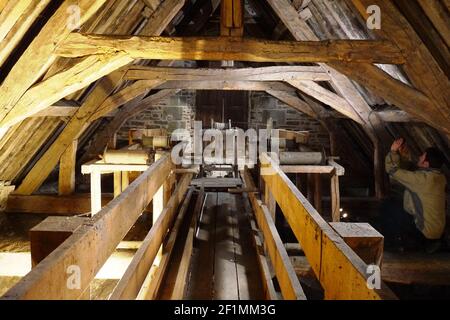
(229, 48)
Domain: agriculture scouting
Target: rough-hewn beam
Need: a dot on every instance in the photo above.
(66, 181)
(281, 73)
(229, 48)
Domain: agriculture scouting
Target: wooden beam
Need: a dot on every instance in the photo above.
(420, 66)
(60, 85)
(287, 279)
(40, 54)
(162, 16)
(66, 182)
(342, 274)
(278, 73)
(438, 15)
(230, 48)
(232, 18)
(133, 279)
(54, 205)
(99, 237)
(57, 111)
(227, 85)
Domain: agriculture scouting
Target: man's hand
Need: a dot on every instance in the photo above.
(397, 144)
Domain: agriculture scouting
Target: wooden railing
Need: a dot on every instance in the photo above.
(341, 272)
(87, 249)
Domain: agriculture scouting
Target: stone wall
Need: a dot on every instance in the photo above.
(174, 112)
(263, 106)
(178, 111)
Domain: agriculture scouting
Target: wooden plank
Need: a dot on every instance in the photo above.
(66, 182)
(52, 204)
(162, 16)
(129, 286)
(287, 279)
(335, 199)
(231, 48)
(99, 237)
(278, 73)
(56, 111)
(307, 169)
(341, 272)
(39, 55)
(96, 192)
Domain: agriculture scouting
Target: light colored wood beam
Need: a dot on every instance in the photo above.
(66, 182)
(227, 85)
(230, 48)
(281, 73)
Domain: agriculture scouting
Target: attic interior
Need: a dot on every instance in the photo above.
(291, 108)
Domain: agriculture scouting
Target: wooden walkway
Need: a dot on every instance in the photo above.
(224, 263)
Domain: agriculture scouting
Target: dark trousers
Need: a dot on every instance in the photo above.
(397, 225)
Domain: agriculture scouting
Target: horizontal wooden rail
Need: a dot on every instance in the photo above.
(67, 272)
(341, 272)
(230, 48)
(133, 279)
(287, 279)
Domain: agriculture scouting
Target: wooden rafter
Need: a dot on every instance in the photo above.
(39, 55)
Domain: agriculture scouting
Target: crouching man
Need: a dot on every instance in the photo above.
(419, 220)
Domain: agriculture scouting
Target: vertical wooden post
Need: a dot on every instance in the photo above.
(125, 180)
(96, 192)
(335, 198)
(66, 182)
(232, 18)
(158, 206)
(117, 183)
(317, 192)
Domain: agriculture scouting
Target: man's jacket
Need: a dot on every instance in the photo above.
(424, 196)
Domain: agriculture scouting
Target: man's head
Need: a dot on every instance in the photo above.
(431, 158)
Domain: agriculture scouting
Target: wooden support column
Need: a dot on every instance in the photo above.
(117, 183)
(335, 198)
(232, 18)
(66, 184)
(96, 192)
